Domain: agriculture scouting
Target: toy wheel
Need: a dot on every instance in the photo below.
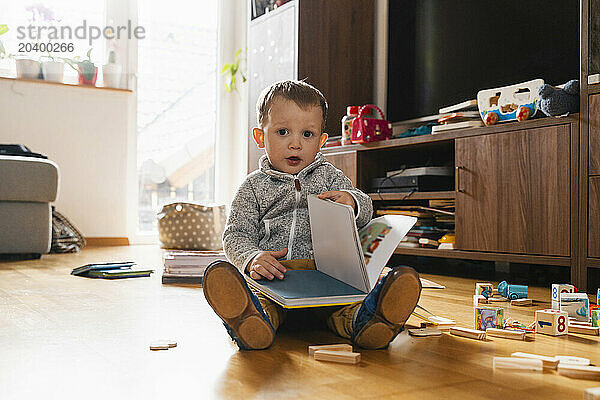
(513, 296)
(490, 118)
(523, 113)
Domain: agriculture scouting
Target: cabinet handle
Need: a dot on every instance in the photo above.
(457, 179)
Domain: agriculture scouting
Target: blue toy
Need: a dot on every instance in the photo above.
(513, 292)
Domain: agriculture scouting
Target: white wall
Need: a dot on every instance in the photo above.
(85, 131)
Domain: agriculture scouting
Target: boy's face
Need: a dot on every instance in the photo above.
(291, 135)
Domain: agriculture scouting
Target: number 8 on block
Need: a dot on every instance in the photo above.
(551, 322)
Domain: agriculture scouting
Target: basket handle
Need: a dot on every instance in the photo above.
(363, 110)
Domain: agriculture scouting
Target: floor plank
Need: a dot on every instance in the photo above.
(63, 336)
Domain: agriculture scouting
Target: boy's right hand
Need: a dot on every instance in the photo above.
(265, 265)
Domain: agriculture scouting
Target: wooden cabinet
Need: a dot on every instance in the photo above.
(347, 162)
(514, 192)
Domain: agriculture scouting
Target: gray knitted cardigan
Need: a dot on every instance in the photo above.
(270, 212)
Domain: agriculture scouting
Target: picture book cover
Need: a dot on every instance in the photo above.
(348, 261)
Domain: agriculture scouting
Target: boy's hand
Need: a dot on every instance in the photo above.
(339, 197)
(265, 265)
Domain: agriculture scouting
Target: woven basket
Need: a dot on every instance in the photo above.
(188, 226)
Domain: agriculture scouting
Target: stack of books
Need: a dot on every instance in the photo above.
(187, 266)
(432, 224)
(458, 116)
(111, 270)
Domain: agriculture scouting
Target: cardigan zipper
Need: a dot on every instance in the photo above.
(293, 227)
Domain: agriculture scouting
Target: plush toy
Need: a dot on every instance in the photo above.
(555, 101)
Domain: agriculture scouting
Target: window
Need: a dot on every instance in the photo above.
(176, 90)
(66, 14)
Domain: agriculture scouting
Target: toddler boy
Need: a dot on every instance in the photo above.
(269, 221)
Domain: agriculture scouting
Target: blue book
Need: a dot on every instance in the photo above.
(348, 262)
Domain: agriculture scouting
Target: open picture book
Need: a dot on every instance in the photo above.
(348, 261)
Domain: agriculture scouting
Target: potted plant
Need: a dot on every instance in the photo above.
(112, 71)
(231, 70)
(86, 69)
(53, 70)
(27, 68)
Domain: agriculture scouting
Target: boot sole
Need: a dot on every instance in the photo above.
(398, 300)
(227, 295)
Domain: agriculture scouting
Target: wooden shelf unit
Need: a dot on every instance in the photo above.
(518, 187)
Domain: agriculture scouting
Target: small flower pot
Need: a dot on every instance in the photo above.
(27, 69)
(112, 75)
(53, 71)
(88, 80)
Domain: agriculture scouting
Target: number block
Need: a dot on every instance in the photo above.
(489, 317)
(557, 289)
(577, 305)
(551, 322)
(484, 289)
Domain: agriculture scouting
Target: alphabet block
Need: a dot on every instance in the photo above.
(489, 317)
(557, 289)
(595, 314)
(551, 322)
(484, 289)
(577, 305)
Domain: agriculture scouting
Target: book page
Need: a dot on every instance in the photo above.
(335, 242)
(378, 240)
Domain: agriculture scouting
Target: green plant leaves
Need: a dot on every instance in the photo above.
(230, 71)
(3, 29)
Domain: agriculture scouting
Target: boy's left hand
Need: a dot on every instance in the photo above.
(339, 197)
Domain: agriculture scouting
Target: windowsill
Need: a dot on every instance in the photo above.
(65, 84)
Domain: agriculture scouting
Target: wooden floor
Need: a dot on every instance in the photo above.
(63, 336)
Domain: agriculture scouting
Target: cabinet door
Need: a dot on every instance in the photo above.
(514, 192)
(345, 161)
(594, 217)
(594, 132)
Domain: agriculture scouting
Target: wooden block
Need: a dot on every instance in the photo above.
(334, 347)
(557, 289)
(488, 317)
(592, 394)
(577, 305)
(579, 323)
(468, 333)
(346, 357)
(521, 302)
(484, 289)
(551, 322)
(514, 364)
(478, 300)
(585, 330)
(422, 332)
(549, 362)
(573, 360)
(497, 299)
(579, 371)
(506, 333)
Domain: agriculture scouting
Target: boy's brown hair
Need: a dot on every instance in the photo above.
(300, 92)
